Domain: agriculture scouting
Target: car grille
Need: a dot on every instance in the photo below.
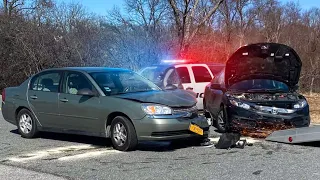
(186, 112)
(187, 109)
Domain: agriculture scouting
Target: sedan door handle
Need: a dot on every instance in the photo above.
(33, 97)
(189, 88)
(64, 100)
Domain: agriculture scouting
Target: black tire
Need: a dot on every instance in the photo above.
(206, 113)
(220, 121)
(127, 128)
(24, 119)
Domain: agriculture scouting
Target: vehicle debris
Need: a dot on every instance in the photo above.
(230, 140)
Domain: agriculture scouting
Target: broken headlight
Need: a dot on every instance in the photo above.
(300, 104)
(240, 104)
(155, 109)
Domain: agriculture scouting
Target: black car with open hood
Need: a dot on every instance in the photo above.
(258, 87)
(267, 61)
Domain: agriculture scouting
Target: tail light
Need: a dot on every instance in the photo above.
(3, 95)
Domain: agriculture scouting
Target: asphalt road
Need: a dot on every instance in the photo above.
(59, 156)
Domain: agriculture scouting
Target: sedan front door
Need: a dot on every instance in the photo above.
(81, 113)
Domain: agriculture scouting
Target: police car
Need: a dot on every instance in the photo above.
(184, 75)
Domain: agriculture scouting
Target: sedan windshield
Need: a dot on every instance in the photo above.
(121, 82)
(260, 85)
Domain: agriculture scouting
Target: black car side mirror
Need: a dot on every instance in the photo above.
(86, 92)
(170, 87)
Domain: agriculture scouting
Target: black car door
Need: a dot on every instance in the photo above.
(214, 98)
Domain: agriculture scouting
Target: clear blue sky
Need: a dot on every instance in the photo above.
(102, 6)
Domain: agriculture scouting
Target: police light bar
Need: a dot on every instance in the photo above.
(174, 61)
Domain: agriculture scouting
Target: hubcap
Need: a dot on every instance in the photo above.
(221, 120)
(25, 123)
(119, 134)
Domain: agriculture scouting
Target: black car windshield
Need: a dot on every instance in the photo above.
(122, 82)
(260, 85)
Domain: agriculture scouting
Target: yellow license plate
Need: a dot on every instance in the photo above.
(196, 129)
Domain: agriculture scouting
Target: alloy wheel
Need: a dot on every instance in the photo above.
(120, 134)
(25, 123)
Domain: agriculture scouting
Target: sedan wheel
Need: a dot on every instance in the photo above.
(119, 134)
(26, 124)
(123, 134)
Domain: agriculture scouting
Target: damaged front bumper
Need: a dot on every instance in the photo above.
(239, 119)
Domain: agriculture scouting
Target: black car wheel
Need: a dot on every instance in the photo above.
(123, 134)
(207, 113)
(221, 122)
(26, 124)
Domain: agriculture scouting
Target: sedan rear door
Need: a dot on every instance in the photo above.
(43, 97)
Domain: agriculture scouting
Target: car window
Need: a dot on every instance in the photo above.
(75, 82)
(171, 77)
(154, 73)
(183, 74)
(215, 69)
(48, 82)
(201, 74)
(219, 78)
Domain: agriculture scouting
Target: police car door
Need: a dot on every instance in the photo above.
(201, 77)
(184, 75)
(171, 78)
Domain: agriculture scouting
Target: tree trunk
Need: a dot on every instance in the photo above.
(311, 86)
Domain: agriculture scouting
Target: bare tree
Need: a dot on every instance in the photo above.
(189, 18)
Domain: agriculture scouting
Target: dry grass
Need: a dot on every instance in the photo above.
(314, 103)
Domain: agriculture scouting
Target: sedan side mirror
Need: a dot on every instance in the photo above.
(171, 87)
(86, 92)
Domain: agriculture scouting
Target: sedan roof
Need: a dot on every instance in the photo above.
(90, 69)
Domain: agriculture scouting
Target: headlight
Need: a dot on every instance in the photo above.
(300, 104)
(153, 109)
(240, 104)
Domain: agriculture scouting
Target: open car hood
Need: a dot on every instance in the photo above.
(264, 61)
(172, 98)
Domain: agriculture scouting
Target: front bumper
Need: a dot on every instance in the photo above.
(240, 119)
(164, 128)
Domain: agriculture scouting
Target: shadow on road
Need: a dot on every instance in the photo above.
(106, 142)
(311, 144)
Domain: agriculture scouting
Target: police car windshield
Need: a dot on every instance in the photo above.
(153, 73)
(122, 82)
(265, 85)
